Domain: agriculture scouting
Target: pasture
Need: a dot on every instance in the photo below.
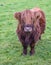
(10, 46)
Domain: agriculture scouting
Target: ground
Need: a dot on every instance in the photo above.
(10, 46)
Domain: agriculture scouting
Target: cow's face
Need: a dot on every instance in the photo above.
(27, 19)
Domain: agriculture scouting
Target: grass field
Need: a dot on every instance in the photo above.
(10, 47)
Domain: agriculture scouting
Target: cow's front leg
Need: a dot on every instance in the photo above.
(24, 50)
(32, 51)
(40, 38)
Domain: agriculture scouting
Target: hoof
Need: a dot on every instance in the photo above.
(32, 53)
(23, 54)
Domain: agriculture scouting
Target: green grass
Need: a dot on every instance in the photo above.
(10, 46)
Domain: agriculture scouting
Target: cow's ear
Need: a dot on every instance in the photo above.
(17, 15)
(38, 15)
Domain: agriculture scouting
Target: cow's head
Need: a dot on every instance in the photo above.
(27, 19)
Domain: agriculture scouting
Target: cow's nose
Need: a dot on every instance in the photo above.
(27, 28)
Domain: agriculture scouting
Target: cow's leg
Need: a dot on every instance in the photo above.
(24, 50)
(32, 51)
(40, 38)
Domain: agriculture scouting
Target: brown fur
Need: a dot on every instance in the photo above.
(36, 18)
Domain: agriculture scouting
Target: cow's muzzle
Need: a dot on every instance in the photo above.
(28, 28)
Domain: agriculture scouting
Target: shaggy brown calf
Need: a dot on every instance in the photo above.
(30, 28)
